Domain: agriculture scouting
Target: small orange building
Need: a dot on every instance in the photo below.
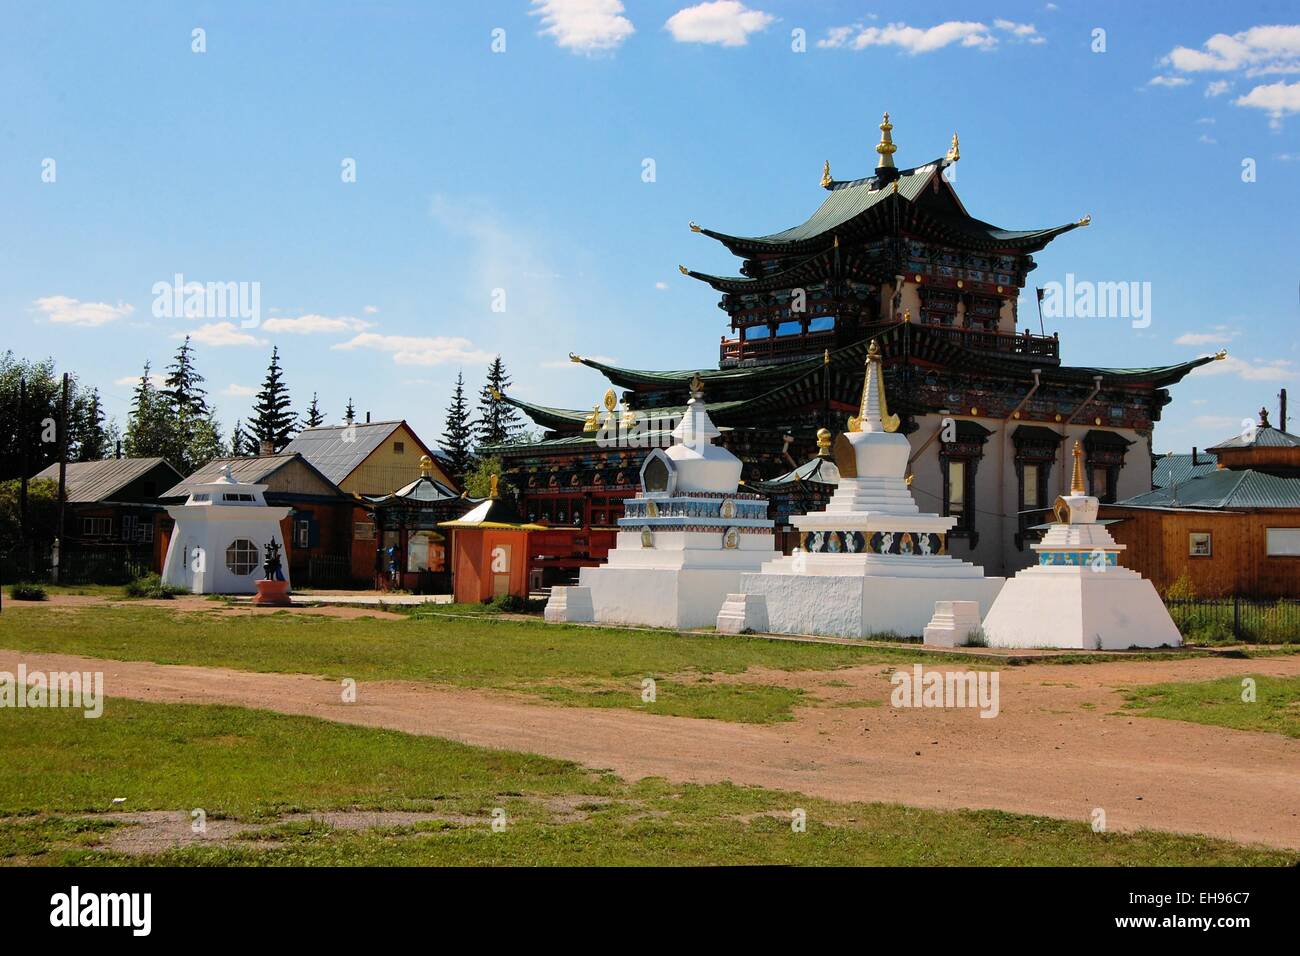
(1234, 530)
(489, 548)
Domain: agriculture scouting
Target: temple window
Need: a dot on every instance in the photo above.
(1030, 493)
(958, 461)
(822, 324)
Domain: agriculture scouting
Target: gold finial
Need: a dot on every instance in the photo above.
(907, 315)
(697, 386)
(888, 421)
(496, 396)
(837, 240)
(826, 357)
(695, 226)
(954, 151)
(908, 480)
(628, 418)
(886, 147)
(823, 443)
(1077, 486)
(895, 189)
(426, 466)
(611, 400)
(826, 175)
(1085, 220)
(574, 357)
(1220, 355)
(683, 270)
(492, 487)
(592, 422)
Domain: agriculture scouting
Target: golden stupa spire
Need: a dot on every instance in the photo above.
(873, 410)
(1076, 479)
(886, 147)
(954, 151)
(826, 175)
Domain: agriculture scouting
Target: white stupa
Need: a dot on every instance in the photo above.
(683, 542)
(221, 534)
(1077, 595)
(871, 562)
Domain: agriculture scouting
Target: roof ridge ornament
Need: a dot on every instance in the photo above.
(1085, 220)
(695, 226)
(886, 147)
(1077, 486)
(826, 175)
(954, 151)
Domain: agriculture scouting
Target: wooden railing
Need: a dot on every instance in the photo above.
(794, 347)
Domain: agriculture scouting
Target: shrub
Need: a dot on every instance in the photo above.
(1181, 590)
(513, 604)
(27, 592)
(151, 586)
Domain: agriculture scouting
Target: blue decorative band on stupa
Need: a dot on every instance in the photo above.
(873, 542)
(1094, 557)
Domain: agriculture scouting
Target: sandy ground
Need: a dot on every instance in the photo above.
(1056, 748)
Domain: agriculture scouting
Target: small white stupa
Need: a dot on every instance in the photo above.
(683, 542)
(220, 537)
(871, 562)
(1077, 595)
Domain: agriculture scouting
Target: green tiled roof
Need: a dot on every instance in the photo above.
(1265, 436)
(850, 200)
(1223, 489)
(572, 419)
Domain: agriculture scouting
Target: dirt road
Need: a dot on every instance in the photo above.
(1056, 748)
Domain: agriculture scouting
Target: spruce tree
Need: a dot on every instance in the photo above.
(314, 417)
(458, 436)
(149, 427)
(239, 440)
(498, 423)
(183, 386)
(272, 420)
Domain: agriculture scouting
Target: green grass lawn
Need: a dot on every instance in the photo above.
(252, 767)
(1276, 707)
(600, 667)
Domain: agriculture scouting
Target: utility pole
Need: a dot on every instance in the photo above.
(24, 441)
(63, 476)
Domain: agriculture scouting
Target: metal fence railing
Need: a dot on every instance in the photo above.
(324, 571)
(1253, 620)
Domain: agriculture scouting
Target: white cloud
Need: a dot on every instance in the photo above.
(1217, 87)
(1203, 338)
(1288, 157)
(1258, 370)
(316, 324)
(1020, 31)
(219, 334)
(1168, 81)
(584, 26)
(65, 310)
(1207, 140)
(1217, 422)
(913, 39)
(155, 380)
(1277, 99)
(725, 22)
(661, 285)
(370, 309)
(239, 391)
(1257, 51)
(419, 349)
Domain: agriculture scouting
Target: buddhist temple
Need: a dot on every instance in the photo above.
(894, 257)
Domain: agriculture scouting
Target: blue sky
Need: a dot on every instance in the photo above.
(522, 171)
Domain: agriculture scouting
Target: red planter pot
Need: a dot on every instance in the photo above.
(273, 593)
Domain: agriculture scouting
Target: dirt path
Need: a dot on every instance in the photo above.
(1053, 750)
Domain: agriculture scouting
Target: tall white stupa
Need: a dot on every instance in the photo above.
(683, 542)
(1078, 596)
(871, 562)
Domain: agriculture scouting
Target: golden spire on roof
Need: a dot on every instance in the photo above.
(492, 487)
(683, 270)
(426, 466)
(886, 147)
(826, 175)
(695, 226)
(823, 443)
(496, 396)
(954, 151)
(575, 357)
(1077, 486)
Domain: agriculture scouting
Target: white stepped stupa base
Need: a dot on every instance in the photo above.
(1081, 608)
(660, 597)
(871, 596)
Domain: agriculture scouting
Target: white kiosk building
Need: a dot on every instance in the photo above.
(683, 542)
(221, 532)
(871, 562)
(1078, 596)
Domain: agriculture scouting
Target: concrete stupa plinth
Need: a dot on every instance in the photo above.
(1078, 596)
(871, 562)
(683, 542)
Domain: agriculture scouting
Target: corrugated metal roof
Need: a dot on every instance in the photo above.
(336, 451)
(1223, 489)
(1171, 468)
(89, 481)
(252, 470)
(1265, 436)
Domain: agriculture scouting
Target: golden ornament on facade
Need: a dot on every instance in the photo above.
(826, 174)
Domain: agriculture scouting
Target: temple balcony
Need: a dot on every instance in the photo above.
(793, 348)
